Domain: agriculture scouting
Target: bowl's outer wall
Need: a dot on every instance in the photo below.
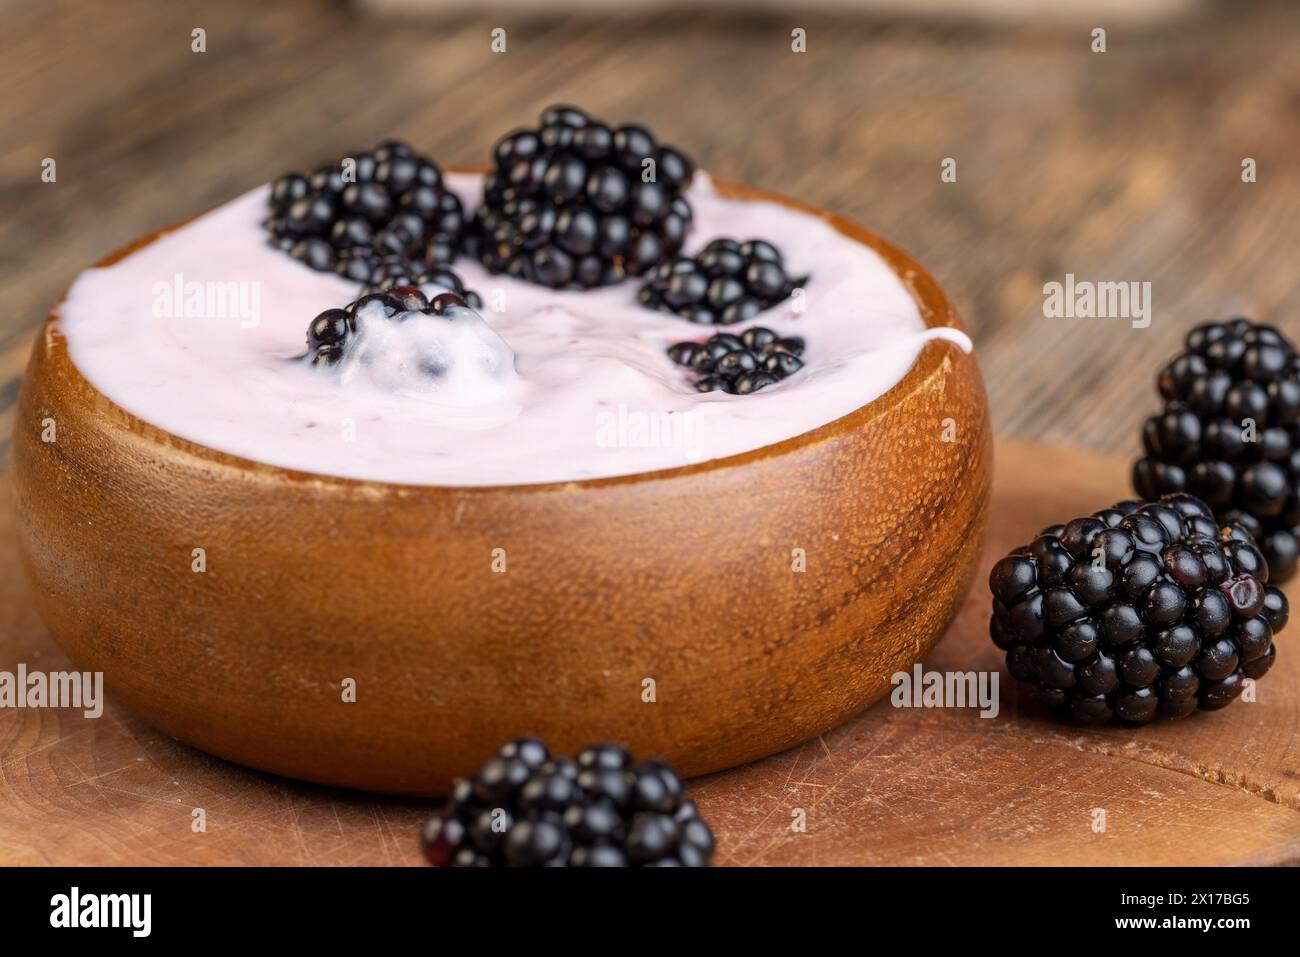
(685, 577)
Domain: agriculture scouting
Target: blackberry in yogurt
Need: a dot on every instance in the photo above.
(348, 216)
(395, 270)
(327, 335)
(728, 282)
(405, 343)
(576, 203)
(740, 364)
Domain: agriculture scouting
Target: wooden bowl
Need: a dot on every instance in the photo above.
(315, 585)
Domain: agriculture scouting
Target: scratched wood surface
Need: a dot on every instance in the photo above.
(1116, 166)
(891, 786)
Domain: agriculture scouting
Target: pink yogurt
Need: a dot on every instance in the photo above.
(194, 332)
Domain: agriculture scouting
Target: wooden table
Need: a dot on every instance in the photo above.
(1117, 166)
(891, 786)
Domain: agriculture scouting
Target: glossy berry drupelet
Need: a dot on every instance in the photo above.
(741, 364)
(528, 808)
(575, 203)
(1229, 433)
(727, 283)
(396, 271)
(1137, 610)
(346, 217)
(329, 333)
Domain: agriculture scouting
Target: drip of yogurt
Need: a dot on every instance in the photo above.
(192, 333)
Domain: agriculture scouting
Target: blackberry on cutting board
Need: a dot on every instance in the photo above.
(728, 282)
(528, 808)
(740, 364)
(1229, 433)
(576, 203)
(329, 333)
(388, 201)
(1137, 609)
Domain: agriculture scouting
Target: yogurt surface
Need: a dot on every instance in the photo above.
(196, 333)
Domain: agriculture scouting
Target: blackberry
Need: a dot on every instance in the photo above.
(727, 283)
(397, 204)
(741, 364)
(329, 333)
(1229, 433)
(1137, 609)
(390, 271)
(576, 203)
(529, 808)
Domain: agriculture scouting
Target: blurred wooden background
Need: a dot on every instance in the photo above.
(1117, 166)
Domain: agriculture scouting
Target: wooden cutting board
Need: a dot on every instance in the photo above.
(892, 786)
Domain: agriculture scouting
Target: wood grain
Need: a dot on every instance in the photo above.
(890, 786)
(1116, 166)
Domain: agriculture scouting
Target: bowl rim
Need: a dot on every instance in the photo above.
(933, 304)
